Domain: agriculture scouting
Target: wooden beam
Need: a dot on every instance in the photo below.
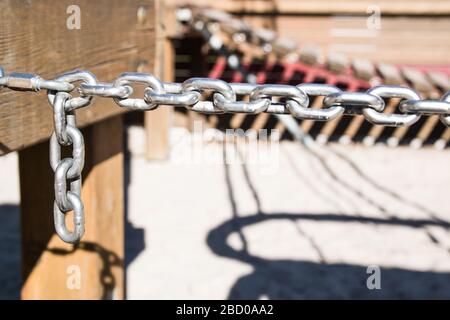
(34, 38)
(94, 269)
(399, 7)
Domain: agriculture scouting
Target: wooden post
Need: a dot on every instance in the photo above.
(94, 269)
(157, 123)
(115, 36)
(198, 68)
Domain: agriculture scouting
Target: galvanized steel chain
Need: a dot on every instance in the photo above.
(254, 98)
(224, 98)
(68, 170)
(67, 178)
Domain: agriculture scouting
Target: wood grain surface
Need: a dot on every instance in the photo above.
(34, 38)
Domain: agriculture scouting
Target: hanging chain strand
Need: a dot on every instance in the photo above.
(68, 170)
(223, 98)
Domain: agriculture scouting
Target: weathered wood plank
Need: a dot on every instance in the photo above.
(94, 269)
(34, 38)
(392, 43)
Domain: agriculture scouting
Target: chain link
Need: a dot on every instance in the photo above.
(68, 170)
(201, 95)
(128, 78)
(446, 119)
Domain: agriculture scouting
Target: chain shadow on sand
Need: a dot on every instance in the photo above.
(301, 279)
(292, 279)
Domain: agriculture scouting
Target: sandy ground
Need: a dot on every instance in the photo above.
(289, 223)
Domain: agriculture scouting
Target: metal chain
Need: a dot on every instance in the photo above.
(224, 97)
(68, 170)
(270, 98)
(296, 100)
